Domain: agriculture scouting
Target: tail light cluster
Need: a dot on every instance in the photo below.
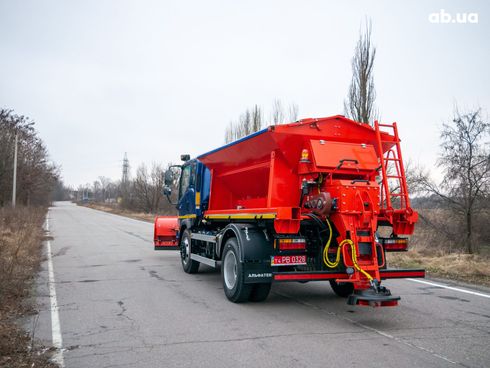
(291, 243)
(394, 244)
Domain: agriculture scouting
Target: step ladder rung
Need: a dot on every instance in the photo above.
(392, 154)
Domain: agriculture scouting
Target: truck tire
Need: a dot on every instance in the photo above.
(232, 274)
(342, 289)
(188, 264)
(260, 292)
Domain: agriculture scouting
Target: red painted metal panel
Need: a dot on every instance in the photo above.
(309, 276)
(401, 274)
(262, 171)
(165, 231)
(328, 155)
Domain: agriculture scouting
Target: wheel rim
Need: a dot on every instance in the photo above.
(230, 270)
(185, 256)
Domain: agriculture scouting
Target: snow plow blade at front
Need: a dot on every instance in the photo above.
(165, 233)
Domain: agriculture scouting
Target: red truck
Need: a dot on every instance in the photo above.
(296, 202)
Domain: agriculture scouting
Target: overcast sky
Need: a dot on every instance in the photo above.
(159, 78)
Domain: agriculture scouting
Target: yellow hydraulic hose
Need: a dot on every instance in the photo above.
(337, 258)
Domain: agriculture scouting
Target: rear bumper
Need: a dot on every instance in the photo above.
(329, 275)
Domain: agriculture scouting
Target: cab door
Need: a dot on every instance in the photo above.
(187, 191)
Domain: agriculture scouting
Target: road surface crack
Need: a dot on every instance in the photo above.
(379, 332)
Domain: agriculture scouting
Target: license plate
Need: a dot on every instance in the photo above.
(166, 243)
(288, 260)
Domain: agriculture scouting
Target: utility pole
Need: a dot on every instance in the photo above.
(14, 185)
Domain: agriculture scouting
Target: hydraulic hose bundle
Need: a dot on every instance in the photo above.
(335, 263)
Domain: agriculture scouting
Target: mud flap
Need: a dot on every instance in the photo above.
(257, 272)
(255, 252)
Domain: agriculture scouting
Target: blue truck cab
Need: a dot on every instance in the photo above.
(193, 194)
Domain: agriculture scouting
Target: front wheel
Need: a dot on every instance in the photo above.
(232, 274)
(342, 289)
(188, 264)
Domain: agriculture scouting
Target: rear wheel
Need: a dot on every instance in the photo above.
(342, 289)
(260, 292)
(232, 274)
(188, 264)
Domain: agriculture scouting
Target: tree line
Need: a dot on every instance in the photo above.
(252, 119)
(36, 174)
(141, 193)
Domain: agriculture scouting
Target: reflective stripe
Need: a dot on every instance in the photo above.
(188, 216)
(245, 216)
(198, 200)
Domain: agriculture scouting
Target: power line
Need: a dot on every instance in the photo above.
(125, 169)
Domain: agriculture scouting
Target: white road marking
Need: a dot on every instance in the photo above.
(451, 288)
(400, 340)
(55, 317)
(368, 328)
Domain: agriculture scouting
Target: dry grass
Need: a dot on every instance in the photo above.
(21, 237)
(436, 246)
(114, 208)
(456, 266)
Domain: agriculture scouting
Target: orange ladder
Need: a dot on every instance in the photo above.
(394, 156)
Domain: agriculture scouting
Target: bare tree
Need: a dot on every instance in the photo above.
(36, 175)
(277, 114)
(465, 188)
(146, 188)
(61, 192)
(105, 183)
(252, 120)
(359, 104)
(256, 118)
(97, 190)
(230, 133)
(249, 122)
(293, 111)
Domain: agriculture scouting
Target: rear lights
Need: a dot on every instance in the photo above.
(290, 244)
(394, 244)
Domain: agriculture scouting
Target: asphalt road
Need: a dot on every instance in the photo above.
(122, 304)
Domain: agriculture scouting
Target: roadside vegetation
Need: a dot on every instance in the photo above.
(115, 209)
(452, 238)
(435, 248)
(132, 195)
(21, 236)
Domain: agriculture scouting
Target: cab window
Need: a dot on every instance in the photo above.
(185, 180)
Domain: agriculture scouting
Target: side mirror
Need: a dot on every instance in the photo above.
(168, 179)
(167, 191)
